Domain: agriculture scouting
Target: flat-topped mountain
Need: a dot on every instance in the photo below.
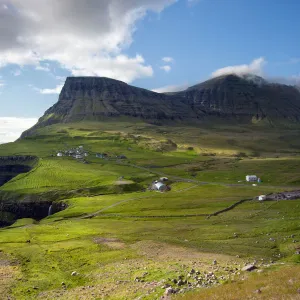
(244, 98)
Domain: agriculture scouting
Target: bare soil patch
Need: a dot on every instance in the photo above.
(163, 251)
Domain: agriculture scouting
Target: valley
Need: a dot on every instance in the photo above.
(123, 241)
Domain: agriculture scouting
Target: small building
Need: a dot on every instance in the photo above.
(59, 154)
(122, 157)
(163, 179)
(86, 154)
(159, 186)
(80, 147)
(262, 197)
(78, 156)
(251, 178)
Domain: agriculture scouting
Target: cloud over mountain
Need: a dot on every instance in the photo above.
(255, 67)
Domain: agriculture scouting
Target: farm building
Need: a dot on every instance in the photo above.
(159, 186)
(163, 179)
(262, 197)
(59, 154)
(251, 178)
(78, 156)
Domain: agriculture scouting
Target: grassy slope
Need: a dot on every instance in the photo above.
(162, 242)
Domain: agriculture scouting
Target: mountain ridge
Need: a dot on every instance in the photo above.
(231, 96)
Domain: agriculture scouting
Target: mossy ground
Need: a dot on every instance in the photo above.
(111, 233)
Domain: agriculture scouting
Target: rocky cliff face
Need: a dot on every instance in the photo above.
(248, 96)
(90, 98)
(11, 166)
(230, 96)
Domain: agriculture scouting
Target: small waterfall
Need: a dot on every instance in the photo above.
(50, 210)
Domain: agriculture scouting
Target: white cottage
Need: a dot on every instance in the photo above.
(251, 178)
(159, 186)
(59, 154)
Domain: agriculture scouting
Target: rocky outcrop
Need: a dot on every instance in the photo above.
(11, 166)
(247, 98)
(11, 211)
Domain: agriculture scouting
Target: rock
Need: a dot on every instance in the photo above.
(249, 268)
(180, 282)
(257, 291)
(192, 271)
(74, 273)
(169, 291)
(214, 262)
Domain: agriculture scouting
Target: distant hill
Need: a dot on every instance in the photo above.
(246, 98)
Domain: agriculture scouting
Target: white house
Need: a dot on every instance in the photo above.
(251, 178)
(159, 186)
(262, 197)
(78, 156)
(59, 154)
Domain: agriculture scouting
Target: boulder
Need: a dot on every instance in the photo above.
(249, 268)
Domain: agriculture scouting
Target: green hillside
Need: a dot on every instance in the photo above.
(121, 240)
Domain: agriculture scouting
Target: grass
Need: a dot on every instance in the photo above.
(278, 284)
(130, 231)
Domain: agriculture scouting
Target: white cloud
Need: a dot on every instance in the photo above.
(255, 67)
(60, 78)
(171, 88)
(288, 80)
(84, 37)
(2, 83)
(55, 90)
(11, 128)
(168, 59)
(17, 72)
(45, 68)
(166, 68)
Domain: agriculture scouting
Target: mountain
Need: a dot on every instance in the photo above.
(90, 98)
(246, 98)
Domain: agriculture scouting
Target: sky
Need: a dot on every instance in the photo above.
(161, 45)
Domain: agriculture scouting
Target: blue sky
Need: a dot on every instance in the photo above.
(162, 45)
